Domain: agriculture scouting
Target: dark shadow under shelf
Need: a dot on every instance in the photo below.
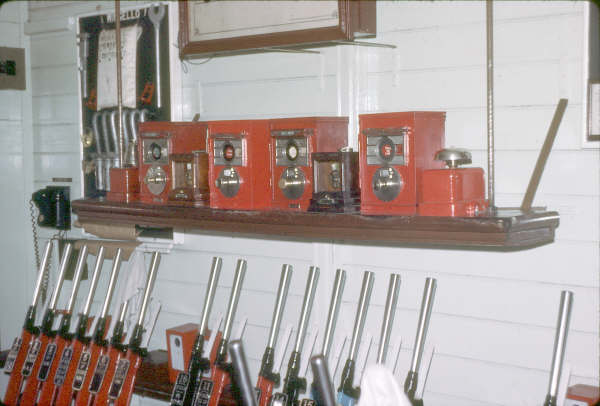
(505, 229)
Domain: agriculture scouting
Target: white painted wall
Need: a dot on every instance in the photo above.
(15, 144)
(495, 313)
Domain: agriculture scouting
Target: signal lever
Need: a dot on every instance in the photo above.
(560, 343)
(412, 379)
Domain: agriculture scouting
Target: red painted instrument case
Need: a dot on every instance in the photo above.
(395, 149)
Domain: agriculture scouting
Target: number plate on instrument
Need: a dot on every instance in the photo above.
(99, 372)
(63, 366)
(47, 362)
(82, 367)
(180, 388)
(203, 393)
(279, 399)
(12, 355)
(32, 355)
(119, 378)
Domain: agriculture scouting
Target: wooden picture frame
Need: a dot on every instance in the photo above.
(350, 20)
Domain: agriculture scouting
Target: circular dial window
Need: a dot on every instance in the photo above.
(155, 151)
(228, 152)
(291, 151)
(386, 149)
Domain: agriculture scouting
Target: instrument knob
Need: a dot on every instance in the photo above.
(453, 157)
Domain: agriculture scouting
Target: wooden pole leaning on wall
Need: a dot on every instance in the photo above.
(121, 146)
(489, 25)
(534, 181)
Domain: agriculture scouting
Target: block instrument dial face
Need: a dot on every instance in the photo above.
(387, 183)
(292, 182)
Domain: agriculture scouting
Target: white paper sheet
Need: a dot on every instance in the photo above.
(107, 67)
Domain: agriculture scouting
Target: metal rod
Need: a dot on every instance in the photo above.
(490, 102)
(42, 271)
(334, 310)
(154, 263)
(123, 311)
(114, 275)
(94, 281)
(322, 380)
(238, 279)
(126, 136)
(560, 342)
(534, 181)
(282, 292)
(424, 317)
(388, 317)
(120, 147)
(96, 129)
(211, 288)
(61, 276)
(238, 359)
(81, 260)
(361, 312)
(309, 295)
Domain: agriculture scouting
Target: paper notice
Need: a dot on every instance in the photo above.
(107, 67)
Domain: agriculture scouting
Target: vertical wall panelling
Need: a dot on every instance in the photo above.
(15, 142)
(495, 312)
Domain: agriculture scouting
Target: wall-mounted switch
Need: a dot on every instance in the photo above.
(12, 68)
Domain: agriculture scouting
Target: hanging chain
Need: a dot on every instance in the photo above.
(60, 235)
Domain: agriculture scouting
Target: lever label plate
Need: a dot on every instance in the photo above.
(47, 362)
(82, 367)
(12, 355)
(63, 366)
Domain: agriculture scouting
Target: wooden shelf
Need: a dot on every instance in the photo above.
(507, 228)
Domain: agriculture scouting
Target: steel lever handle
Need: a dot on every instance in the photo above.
(211, 288)
(114, 275)
(309, 295)
(94, 282)
(282, 292)
(560, 344)
(154, 263)
(334, 310)
(423, 325)
(388, 317)
(41, 272)
(61, 276)
(81, 260)
(238, 279)
(361, 312)
(242, 376)
(322, 380)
